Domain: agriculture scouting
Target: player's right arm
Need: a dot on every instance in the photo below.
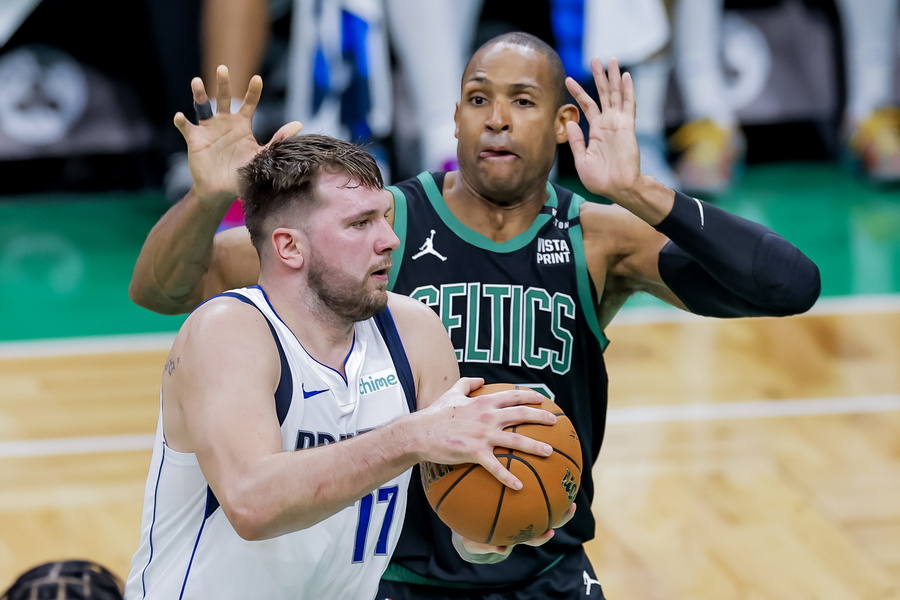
(442, 395)
(218, 388)
(183, 261)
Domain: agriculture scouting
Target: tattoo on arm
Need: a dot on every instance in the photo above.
(170, 365)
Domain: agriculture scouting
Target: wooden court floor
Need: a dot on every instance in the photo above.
(756, 459)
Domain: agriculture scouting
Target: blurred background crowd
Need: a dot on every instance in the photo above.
(88, 89)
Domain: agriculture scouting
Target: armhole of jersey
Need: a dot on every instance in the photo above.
(283, 392)
(388, 329)
(586, 294)
(285, 389)
(400, 217)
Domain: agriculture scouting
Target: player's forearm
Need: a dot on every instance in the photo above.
(647, 199)
(176, 255)
(719, 264)
(269, 501)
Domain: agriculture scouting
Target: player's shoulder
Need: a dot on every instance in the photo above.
(408, 310)
(414, 320)
(222, 318)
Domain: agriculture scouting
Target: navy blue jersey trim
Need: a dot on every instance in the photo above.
(285, 390)
(388, 329)
(212, 503)
(153, 522)
(283, 394)
(187, 572)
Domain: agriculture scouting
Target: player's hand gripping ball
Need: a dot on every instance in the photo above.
(474, 504)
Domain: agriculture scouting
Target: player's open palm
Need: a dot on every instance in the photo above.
(608, 162)
(223, 142)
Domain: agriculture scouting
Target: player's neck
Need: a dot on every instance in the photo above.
(498, 220)
(327, 337)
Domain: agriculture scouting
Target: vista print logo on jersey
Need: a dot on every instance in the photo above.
(553, 252)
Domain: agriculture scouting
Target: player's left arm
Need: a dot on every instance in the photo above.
(702, 259)
(685, 251)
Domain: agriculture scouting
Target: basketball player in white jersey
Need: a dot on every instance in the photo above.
(288, 421)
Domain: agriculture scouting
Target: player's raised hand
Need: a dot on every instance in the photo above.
(608, 162)
(223, 141)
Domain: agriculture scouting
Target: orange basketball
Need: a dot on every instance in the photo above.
(474, 504)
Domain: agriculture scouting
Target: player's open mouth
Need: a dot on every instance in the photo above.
(382, 273)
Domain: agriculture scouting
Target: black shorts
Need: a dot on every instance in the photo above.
(570, 579)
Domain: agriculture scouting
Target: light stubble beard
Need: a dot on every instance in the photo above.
(342, 297)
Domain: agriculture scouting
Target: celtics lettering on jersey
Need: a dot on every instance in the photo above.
(526, 326)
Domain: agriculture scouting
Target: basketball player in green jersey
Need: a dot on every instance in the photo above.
(524, 274)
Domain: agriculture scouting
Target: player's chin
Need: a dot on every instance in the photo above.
(504, 186)
(379, 299)
(378, 289)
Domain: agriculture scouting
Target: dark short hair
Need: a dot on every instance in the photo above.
(285, 175)
(66, 580)
(554, 63)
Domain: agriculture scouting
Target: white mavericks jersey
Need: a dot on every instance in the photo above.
(188, 548)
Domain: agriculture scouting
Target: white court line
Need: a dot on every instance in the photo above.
(842, 305)
(75, 445)
(106, 344)
(615, 416)
(759, 409)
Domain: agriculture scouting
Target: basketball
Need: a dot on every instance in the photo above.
(471, 501)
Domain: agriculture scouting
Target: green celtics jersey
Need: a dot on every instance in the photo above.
(522, 312)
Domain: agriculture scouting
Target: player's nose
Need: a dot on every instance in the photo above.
(387, 240)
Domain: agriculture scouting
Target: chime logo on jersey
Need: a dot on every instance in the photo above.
(505, 324)
(553, 252)
(377, 382)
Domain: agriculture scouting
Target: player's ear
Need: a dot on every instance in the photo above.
(290, 246)
(564, 114)
(456, 121)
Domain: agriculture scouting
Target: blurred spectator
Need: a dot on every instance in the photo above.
(446, 28)
(75, 101)
(710, 146)
(337, 70)
(636, 33)
(193, 38)
(65, 580)
(871, 122)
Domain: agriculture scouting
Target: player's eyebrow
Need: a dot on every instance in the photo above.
(363, 214)
(524, 87)
(515, 88)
